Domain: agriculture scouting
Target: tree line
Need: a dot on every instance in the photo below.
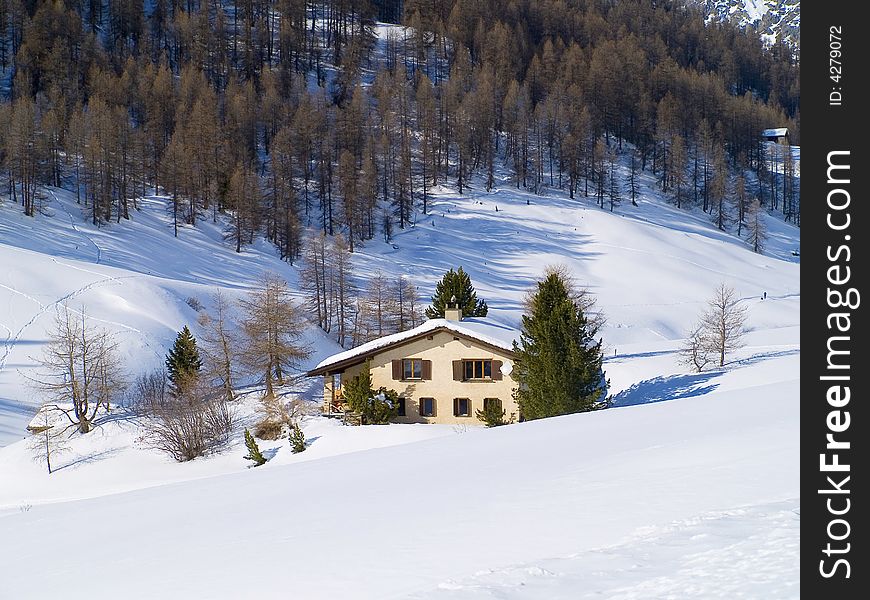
(286, 114)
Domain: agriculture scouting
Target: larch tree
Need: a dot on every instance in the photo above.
(632, 186)
(741, 202)
(614, 196)
(404, 303)
(723, 323)
(220, 344)
(48, 439)
(273, 326)
(678, 168)
(756, 228)
(82, 373)
(243, 198)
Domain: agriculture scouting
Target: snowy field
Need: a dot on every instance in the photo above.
(687, 488)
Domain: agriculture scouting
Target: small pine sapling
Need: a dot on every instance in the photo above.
(297, 439)
(492, 414)
(183, 362)
(254, 453)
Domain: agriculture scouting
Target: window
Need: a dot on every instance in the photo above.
(461, 407)
(495, 403)
(412, 368)
(401, 412)
(427, 407)
(478, 369)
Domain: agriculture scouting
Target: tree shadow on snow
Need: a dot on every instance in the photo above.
(755, 358)
(89, 458)
(672, 387)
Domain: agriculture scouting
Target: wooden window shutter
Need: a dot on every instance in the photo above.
(434, 407)
(496, 370)
(426, 371)
(457, 370)
(397, 369)
(456, 407)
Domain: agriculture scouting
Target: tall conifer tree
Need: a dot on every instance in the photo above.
(558, 365)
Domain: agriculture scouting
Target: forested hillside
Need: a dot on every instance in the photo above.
(288, 115)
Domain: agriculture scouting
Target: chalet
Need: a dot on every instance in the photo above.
(443, 370)
(778, 135)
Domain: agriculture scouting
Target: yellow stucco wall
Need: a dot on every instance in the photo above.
(442, 350)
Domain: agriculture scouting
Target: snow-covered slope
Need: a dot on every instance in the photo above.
(773, 19)
(652, 267)
(133, 278)
(664, 495)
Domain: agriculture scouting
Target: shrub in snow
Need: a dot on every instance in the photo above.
(193, 422)
(194, 303)
(493, 415)
(149, 389)
(270, 430)
(277, 418)
(254, 453)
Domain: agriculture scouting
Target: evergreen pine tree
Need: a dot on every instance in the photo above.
(297, 439)
(254, 453)
(456, 283)
(358, 390)
(374, 406)
(558, 365)
(183, 361)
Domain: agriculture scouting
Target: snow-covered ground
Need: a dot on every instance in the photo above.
(687, 488)
(692, 498)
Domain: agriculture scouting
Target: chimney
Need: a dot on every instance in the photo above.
(453, 312)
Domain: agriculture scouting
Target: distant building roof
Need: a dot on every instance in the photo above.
(778, 132)
(483, 330)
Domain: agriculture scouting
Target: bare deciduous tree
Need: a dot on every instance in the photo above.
(148, 390)
(220, 345)
(48, 439)
(82, 369)
(755, 226)
(696, 350)
(272, 326)
(719, 331)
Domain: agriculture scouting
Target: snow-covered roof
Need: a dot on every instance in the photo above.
(481, 329)
(778, 132)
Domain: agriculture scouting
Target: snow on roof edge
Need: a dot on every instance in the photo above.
(482, 329)
(777, 131)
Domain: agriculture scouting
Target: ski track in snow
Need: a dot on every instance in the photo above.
(44, 308)
(76, 228)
